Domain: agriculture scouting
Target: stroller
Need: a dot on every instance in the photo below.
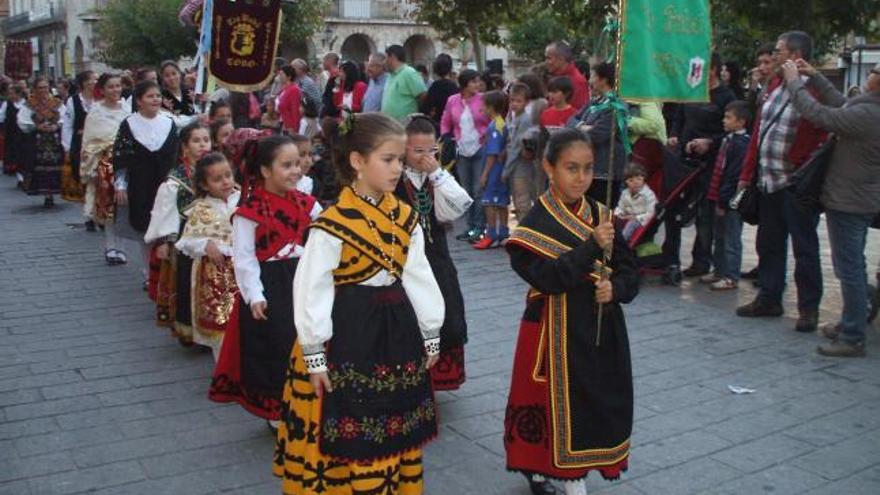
(677, 202)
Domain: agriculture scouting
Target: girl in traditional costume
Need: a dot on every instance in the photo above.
(145, 151)
(207, 239)
(176, 95)
(358, 402)
(174, 198)
(570, 406)
(439, 201)
(76, 109)
(96, 164)
(40, 120)
(268, 232)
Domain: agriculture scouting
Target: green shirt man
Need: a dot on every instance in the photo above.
(402, 91)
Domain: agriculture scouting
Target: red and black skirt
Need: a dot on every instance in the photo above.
(255, 355)
(382, 402)
(570, 405)
(449, 372)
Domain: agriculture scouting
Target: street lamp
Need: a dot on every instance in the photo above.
(860, 46)
(327, 36)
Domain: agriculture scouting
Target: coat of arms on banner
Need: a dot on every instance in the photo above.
(696, 69)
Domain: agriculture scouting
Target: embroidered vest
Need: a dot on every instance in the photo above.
(375, 237)
(281, 220)
(558, 230)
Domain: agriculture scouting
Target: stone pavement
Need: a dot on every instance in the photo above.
(95, 399)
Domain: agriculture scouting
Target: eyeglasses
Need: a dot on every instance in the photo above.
(425, 151)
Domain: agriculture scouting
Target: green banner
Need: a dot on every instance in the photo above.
(665, 48)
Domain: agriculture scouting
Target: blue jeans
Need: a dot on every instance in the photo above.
(780, 217)
(728, 245)
(847, 233)
(469, 170)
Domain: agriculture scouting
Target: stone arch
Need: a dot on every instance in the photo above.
(419, 50)
(358, 47)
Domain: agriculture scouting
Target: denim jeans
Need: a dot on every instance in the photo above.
(847, 233)
(701, 253)
(780, 217)
(728, 245)
(469, 170)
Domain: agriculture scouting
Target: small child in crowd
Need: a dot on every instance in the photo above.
(306, 184)
(637, 202)
(560, 111)
(220, 131)
(207, 239)
(722, 188)
(496, 194)
(173, 308)
(271, 119)
(519, 166)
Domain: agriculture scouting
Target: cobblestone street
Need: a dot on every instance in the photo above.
(94, 398)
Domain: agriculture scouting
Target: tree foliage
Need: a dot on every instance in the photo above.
(138, 32)
(135, 32)
(302, 19)
(478, 21)
(529, 38)
(741, 25)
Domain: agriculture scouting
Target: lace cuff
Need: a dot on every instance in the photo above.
(316, 363)
(432, 346)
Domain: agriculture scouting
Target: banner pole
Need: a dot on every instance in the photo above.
(610, 176)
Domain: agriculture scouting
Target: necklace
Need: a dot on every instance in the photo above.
(423, 201)
(388, 258)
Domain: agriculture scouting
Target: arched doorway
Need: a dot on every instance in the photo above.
(357, 48)
(419, 50)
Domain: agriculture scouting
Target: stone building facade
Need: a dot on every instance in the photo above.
(61, 33)
(356, 28)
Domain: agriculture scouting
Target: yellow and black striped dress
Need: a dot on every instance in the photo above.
(344, 443)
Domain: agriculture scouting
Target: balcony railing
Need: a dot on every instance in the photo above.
(372, 9)
(28, 21)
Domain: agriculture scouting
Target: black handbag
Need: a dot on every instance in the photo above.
(807, 180)
(746, 203)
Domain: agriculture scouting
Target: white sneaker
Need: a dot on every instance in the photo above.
(724, 284)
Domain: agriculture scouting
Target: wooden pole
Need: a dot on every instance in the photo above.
(610, 218)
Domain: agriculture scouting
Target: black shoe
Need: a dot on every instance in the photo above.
(271, 427)
(672, 276)
(541, 487)
(696, 271)
(90, 226)
(807, 322)
(758, 308)
(48, 202)
(751, 274)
